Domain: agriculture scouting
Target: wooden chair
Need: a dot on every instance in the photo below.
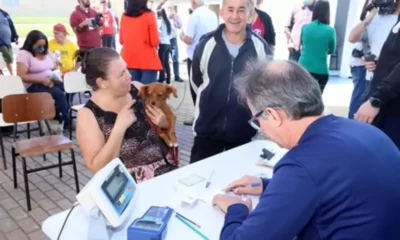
(74, 82)
(35, 107)
(11, 85)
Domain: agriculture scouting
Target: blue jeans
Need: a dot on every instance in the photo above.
(360, 89)
(58, 94)
(143, 76)
(175, 56)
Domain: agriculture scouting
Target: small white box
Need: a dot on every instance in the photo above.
(190, 201)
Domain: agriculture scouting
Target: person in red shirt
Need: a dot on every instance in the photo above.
(261, 23)
(139, 38)
(108, 25)
(86, 25)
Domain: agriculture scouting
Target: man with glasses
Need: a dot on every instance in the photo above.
(220, 121)
(339, 179)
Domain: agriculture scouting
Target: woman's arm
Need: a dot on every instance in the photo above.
(95, 150)
(332, 42)
(153, 31)
(22, 72)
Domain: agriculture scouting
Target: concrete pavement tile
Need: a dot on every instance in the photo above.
(18, 213)
(17, 235)
(8, 225)
(28, 225)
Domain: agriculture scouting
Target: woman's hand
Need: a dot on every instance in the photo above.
(125, 117)
(157, 116)
(47, 82)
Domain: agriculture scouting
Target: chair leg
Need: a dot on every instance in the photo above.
(29, 130)
(28, 196)
(3, 155)
(14, 166)
(75, 170)
(80, 98)
(41, 134)
(60, 162)
(70, 124)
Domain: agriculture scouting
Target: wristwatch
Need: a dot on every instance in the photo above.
(375, 102)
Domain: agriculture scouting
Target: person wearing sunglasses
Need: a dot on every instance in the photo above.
(339, 179)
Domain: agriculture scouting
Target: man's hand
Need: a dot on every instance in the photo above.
(182, 35)
(366, 113)
(244, 186)
(224, 202)
(16, 42)
(85, 23)
(370, 66)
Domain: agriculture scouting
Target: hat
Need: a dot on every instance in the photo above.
(60, 28)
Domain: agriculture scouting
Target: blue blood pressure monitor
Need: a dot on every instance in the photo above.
(152, 226)
(112, 190)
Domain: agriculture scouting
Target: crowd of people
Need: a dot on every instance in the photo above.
(338, 180)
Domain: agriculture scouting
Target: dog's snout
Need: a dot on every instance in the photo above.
(153, 102)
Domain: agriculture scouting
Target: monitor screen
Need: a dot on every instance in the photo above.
(115, 184)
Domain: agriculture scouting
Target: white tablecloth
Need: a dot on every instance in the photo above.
(167, 191)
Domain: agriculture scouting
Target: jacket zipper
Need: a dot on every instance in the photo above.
(229, 90)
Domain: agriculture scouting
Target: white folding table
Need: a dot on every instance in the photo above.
(165, 190)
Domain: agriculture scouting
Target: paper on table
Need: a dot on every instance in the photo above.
(208, 195)
(191, 180)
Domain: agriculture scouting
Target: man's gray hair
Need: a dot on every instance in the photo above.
(281, 85)
(249, 4)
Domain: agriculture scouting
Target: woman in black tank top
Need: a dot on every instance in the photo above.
(108, 127)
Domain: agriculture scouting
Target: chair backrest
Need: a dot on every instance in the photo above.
(28, 107)
(75, 82)
(11, 85)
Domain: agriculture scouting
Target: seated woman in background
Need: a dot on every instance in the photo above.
(113, 122)
(318, 40)
(35, 65)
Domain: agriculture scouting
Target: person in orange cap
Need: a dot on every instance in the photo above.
(63, 48)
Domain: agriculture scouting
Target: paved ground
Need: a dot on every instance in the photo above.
(50, 194)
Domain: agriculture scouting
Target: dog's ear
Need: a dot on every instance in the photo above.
(171, 89)
(144, 91)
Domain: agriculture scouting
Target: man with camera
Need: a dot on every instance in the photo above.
(382, 109)
(86, 23)
(377, 19)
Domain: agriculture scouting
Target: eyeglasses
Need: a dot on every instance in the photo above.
(254, 120)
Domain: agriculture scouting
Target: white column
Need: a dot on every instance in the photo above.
(353, 19)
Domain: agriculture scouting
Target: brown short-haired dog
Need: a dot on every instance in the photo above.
(156, 94)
